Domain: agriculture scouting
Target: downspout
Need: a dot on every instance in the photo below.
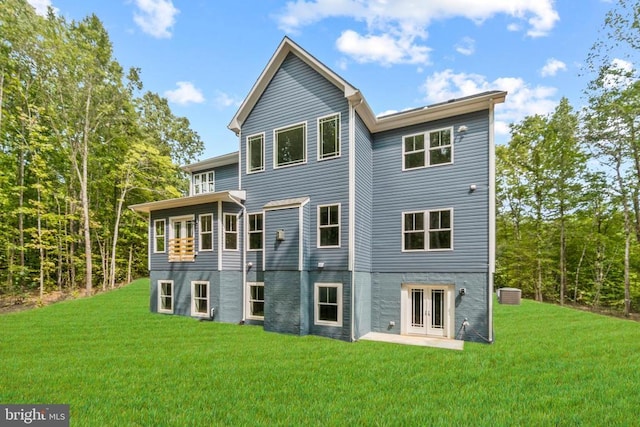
(492, 219)
(244, 255)
(352, 204)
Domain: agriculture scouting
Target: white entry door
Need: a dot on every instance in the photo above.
(429, 311)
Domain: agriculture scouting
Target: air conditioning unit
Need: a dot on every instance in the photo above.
(509, 296)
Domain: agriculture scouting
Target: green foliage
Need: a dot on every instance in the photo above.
(117, 364)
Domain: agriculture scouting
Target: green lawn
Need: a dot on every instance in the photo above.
(116, 364)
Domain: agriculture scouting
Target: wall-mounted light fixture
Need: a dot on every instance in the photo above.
(462, 291)
(280, 235)
(321, 264)
(249, 264)
(463, 128)
(472, 188)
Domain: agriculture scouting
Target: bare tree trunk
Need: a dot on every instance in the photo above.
(577, 281)
(41, 246)
(130, 264)
(563, 261)
(84, 198)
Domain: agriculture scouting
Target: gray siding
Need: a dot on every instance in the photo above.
(299, 94)
(339, 332)
(437, 187)
(285, 309)
(285, 254)
(363, 196)
(227, 177)
(363, 303)
(232, 260)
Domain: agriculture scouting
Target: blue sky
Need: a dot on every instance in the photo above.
(205, 55)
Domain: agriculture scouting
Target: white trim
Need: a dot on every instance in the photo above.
(427, 148)
(405, 305)
(200, 232)
(300, 238)
(492, 220)
(248, 300)
(264, 227)
(213, 162)
(351, 245)
(248, 231)
(150, 231)
(202, 183)
(164, 249)
(338, 135)
(316, 302)
(248, 153)
(159, 291)
(424, 150)
(220, 228)
(275, 144)
(181, 202)
(193, 300)
(236, 232)
(339, 225)
(426, 230)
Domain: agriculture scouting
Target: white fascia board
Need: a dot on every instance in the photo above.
(233, 196)
(213, 162)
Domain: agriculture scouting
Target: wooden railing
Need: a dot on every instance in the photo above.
(182, 249)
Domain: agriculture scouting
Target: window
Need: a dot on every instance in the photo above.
(200, 299)
(438, 235)
(440, 148)
(256, 301)
(255, 232)
(206, 232)
(182, 243)
(329, 226)
(230, 232)
(165, 296)
(203, 183)
(439, 151)
(329, 137)
(255, 153)
(328, 304)
(291, 145)
(159, 236)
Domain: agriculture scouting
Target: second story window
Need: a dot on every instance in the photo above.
(255, 153)
(440, 148)
(290, 145)
(329, 226)
(255, 232)
(427, 230)
(230, 232)
(329, 137)
(203, 183)
(427, 149)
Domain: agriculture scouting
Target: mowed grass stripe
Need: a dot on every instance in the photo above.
(117, 364)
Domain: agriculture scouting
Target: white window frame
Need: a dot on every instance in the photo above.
(201, 233)
(303, 125)
(195, 313)
(427, 143)
(173, 296)
(249, 300)
(250, 232)
(424, 150)
(155, 236)
(248, 151)
(319, 227)
(203, 186)
(316, 304)
(225, 232)
(427, 230)
(338, 134)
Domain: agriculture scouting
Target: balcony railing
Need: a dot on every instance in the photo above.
(182, 249)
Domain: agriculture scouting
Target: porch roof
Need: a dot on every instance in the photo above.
(233, 196)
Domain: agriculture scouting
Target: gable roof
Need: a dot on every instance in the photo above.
(453, 107)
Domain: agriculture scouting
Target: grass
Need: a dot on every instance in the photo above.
(116, 364)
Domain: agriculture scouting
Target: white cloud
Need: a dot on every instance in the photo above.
(552, 67)
(223, 100)
(522, 99)
(619, 75)
(41, 6)
(384, 49)
(185, 94)
(466, 46)
(156, 17)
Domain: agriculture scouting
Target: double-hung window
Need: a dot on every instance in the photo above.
(329, 226)
(255, 153)
(200, 299)
(203, 183)
(427, 149)
(329, 137)
(230, 232)
(256, 301)
(206, 232)
(159, 239)
(290, 145)
(427, 230)
(328, 304)
(255, 232)
(165, 296)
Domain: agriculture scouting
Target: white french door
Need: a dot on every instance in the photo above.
(427, 310)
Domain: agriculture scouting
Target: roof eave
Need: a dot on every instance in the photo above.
(232, 196)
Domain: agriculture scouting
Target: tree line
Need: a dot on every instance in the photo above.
(568, 185)
(79, 140)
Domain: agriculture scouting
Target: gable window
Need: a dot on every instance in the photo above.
(329, 226)
(438, 151)
(230, 232)
(256, 301)
(440, 148)
(200, 299)
(165, 296)
(159, 235)
(203, 183)
(329, 137)
(255, 153)
(328, 304)
(255, 232)
(206, 232)
(427, 230)
(290, 145)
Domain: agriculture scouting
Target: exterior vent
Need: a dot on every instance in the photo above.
(509, 296)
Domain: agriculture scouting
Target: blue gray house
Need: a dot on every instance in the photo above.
(331, 221)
